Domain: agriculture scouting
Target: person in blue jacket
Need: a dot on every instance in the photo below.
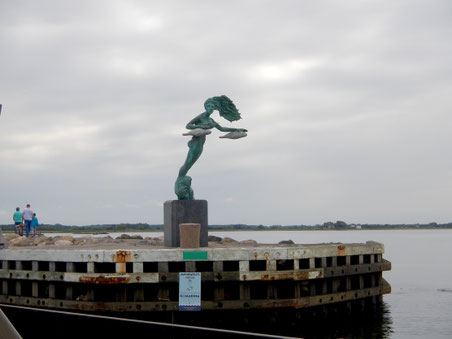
(33, 225)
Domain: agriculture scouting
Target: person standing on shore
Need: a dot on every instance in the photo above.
(34, 224)
(17, 218)
(27, 216)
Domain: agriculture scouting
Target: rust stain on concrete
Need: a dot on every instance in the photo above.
(123, 256)
(285, 304)
(292, 275)
(104, 280)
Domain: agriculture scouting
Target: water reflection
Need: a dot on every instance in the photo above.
(373, 322)
(361, 321)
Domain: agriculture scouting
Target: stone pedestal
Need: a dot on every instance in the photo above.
(177, 212)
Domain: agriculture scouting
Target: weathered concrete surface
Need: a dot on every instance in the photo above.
(16, 242)
(152, 249)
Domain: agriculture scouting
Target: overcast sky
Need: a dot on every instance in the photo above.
(347, 103)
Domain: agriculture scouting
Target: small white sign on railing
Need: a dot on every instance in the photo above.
(190, 291)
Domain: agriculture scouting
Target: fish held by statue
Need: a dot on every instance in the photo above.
(197, 132)
(234, 135)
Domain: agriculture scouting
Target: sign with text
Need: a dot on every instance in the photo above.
(190, 291)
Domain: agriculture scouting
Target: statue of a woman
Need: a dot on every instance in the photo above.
(199, 127)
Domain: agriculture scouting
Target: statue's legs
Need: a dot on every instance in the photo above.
(195, 145)
(182, 186)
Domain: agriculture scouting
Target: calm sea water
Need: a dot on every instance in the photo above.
(420, 305)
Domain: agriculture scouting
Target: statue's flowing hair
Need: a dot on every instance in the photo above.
(226, 107)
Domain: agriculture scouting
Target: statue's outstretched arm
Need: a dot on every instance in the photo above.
(228, 129)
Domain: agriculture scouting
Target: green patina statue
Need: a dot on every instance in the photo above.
(200, 127)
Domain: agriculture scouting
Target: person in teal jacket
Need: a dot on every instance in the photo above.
(17, 217)
(33, 225)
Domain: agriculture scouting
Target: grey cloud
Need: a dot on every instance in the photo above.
(347, 107)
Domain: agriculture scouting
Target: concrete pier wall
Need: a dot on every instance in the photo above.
(130, 280)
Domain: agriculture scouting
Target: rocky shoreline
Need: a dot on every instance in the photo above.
(68, 241)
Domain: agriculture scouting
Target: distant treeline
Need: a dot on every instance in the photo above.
(143, 227)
